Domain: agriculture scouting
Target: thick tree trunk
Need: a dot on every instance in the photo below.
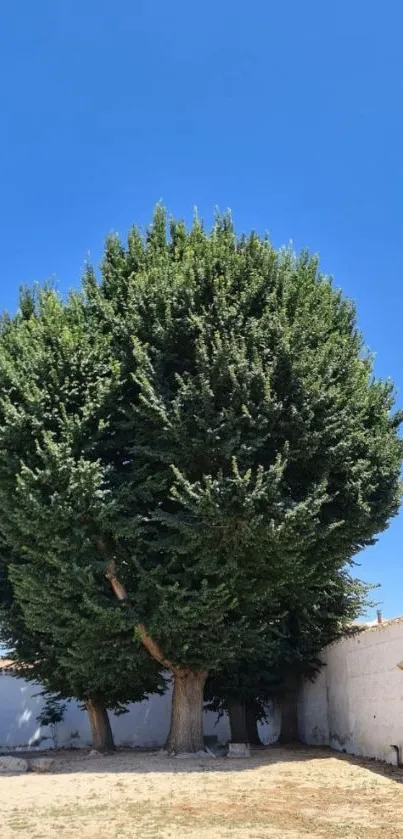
(102, 737)
(186, 734)
(251, 725)
(237, 721)
(289, 711)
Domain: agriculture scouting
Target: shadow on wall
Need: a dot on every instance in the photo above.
(19, 708)
(146, 724)
(269, 731)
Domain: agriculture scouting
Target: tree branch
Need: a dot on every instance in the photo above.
(148, 643)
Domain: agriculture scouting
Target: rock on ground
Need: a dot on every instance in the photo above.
(238, 750)
(42, 764)
(10, 764)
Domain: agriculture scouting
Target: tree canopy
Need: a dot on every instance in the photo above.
(201, 425)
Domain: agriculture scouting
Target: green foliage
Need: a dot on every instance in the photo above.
(52, 712)
(206, 415)
(58, 613)
(320, 616)
(261, 455)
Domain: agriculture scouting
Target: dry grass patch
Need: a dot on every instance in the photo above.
(278, 794)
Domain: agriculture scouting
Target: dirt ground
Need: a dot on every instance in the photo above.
(277, 794)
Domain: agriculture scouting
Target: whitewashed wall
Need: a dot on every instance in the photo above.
(356, 703)
(146, 724)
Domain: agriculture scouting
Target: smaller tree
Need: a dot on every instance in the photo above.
(243, 692)
(86, 652)
(319, 618)
(58, 615)
(52, 712)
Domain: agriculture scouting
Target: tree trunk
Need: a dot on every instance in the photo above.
(251, 725)
(186, 734)
(237, 721)
(289, 711)
(102, 737)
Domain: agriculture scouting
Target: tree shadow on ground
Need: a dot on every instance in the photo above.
(141, 761)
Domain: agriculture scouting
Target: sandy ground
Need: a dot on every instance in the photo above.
(277, 794)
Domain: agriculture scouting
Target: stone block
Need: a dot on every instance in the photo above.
(42, 764)
(238, 750)
(9, 764)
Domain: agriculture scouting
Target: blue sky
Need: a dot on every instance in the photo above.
(289, 113)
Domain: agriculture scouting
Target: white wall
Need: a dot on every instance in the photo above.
(146, 724)
(356, 703)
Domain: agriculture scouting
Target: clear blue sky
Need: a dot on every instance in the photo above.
(290, 113)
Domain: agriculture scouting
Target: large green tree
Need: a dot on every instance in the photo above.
(226, 446)
(261, 453)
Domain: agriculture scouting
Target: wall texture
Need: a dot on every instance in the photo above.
(356, 703)
(146, 724)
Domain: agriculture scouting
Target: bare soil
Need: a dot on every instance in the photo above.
(277, 794)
